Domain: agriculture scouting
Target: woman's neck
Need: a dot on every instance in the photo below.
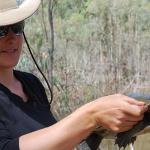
(7, 77)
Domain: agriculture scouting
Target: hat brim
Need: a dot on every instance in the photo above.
(25, 10)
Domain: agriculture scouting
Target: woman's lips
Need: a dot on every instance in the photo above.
(9, 50)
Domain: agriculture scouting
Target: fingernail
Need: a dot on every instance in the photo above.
(146, 107)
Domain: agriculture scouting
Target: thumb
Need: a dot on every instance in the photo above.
(135, 102)
(136, 110)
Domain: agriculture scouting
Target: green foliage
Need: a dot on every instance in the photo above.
(66, 8)
(101, 47)
(106, 38)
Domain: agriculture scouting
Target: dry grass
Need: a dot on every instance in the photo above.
(104, 51)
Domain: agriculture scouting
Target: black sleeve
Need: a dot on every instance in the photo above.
(6, 142)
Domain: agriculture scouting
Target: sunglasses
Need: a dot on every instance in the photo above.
(17, 28)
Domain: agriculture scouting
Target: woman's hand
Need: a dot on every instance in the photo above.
(117, 112)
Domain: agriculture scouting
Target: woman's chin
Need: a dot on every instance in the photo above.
(8, 65)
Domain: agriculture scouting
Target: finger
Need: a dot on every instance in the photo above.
(128, 123)
(127, 126)
(135, 110)
(134, 101)
(123, 129)
(124, 123)
(144, 108)
(130, 118)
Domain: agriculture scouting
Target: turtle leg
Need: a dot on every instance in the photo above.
(93, 141)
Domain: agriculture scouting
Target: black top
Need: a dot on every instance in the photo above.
(18, 117)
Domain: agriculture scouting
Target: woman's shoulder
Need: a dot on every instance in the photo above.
(29, 78)
(23, 74)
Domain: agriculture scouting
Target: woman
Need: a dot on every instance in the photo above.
(26, 122)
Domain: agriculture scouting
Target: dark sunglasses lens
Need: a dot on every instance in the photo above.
(3, 31)
(18, 28)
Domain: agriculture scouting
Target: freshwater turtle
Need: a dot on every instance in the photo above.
(125, 138)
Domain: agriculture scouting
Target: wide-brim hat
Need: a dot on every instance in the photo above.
(13, 11)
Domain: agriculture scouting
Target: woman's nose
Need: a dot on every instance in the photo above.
(11, 38)
(11, 35)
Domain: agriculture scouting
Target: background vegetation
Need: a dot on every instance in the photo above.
(91, 48)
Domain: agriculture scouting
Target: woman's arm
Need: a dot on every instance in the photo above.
(115, 112)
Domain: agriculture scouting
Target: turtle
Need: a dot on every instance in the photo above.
(126, 138)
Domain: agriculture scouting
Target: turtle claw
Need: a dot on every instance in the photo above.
(123, 140)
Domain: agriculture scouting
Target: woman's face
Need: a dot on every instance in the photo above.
(10, 49)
